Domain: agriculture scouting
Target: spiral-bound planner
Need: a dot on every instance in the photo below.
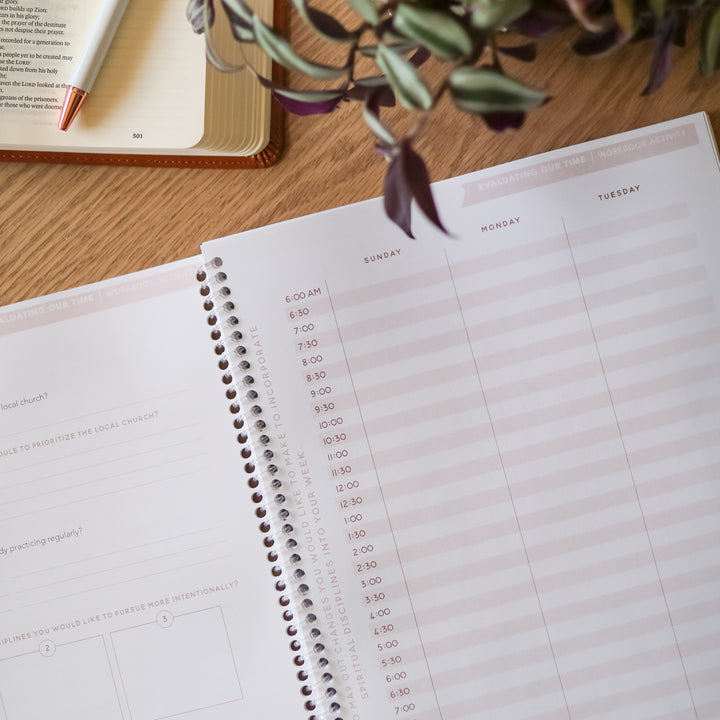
(323, 471)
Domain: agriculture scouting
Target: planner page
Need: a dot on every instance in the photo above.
(500, 446)
(134, 584)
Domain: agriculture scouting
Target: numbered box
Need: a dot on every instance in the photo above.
(63, 682)
(177, 664)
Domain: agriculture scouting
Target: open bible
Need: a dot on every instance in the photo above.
(156, 100)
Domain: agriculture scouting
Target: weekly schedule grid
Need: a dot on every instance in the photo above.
(512, 436)
(542, 464)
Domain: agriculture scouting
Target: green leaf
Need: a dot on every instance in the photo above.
(491, 14)
(240, 17)
(238, 11)
(366, 9)
(280, 51)
(200, 14)
(376, 125)
(310, 95)
(710, 41)
(372, 81)
(401, 47)
(404, 80)
(440, 32)
(486, 91)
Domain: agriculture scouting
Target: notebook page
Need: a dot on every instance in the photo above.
(134, 583)
(502, 445)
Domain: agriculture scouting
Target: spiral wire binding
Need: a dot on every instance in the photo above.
(320, 697)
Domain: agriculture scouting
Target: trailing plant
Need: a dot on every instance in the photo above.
(390, 41)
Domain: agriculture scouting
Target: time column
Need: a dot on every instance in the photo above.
(390, 626)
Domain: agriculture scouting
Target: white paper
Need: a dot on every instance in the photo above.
(149, 93)
(133, 579)
(502, 444)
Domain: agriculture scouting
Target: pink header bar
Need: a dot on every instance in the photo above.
(573, 165)
(93, 298)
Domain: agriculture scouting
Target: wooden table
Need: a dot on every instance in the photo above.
(63, 226)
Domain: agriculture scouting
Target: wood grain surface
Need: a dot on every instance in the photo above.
(62, 226)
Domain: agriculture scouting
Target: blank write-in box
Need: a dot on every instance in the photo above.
(176, 665)
(66, 682)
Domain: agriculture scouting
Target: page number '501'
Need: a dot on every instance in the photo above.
(137, 136)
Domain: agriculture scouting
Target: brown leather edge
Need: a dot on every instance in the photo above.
(265, 158)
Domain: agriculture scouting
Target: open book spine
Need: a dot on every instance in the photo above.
(269, 492)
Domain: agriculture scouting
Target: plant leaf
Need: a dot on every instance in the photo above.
(491, 14)
(304, 102)
(323, 23)
(589, 44)
(328, 26)
(301, 106)
(240, 18)
(401, 47)
(499, 122)
(404, 80)
(542, 20)
(280, 51)
(397, 198)
(371, 115)
(407, 180)
(372, 81)
(481, 90)
(662, 54)
(438, 31)
(525, 53)
(195, 13)
(681, 27)
(419, 183)
(582, 11)
(624, 11)
(366, 9)
(420, 57)
(710, 41)
(378, 84)
(238, 12)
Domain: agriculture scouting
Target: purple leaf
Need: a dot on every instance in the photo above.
(681, 28)
(526, 53)
(304, 102)
(327, 25)
(385, 150)
(589, 43)
(195, 14)
(418, 181)
(235, 18)
(504, 120)
(407, 180)
(240, 24)
(662, 54)
(306, 107)
(644, 29)
(420, 57)
(397, 198)
(544, 19)
(382, 95)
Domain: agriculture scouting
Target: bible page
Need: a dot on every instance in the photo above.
(149, 93)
